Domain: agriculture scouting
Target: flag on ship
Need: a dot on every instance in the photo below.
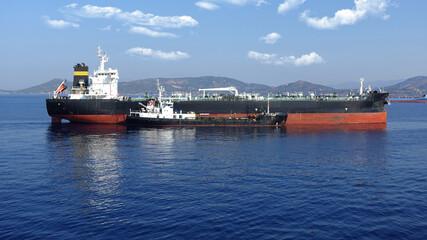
(61, 88)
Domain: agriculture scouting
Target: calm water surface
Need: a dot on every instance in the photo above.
(76, 181)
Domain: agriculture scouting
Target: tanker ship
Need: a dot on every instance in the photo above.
(365, 107)
(93, 99)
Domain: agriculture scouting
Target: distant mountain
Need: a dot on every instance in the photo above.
(374, 84)
(5, 91)
(188, 84)
(193, 84)
(416, 86)
(305, 87)
(47, 87)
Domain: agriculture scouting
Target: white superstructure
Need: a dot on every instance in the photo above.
(164, 109)
(103, 84)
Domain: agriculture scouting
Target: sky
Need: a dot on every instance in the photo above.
(270, 42)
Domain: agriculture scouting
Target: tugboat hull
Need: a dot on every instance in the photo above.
(273, 120)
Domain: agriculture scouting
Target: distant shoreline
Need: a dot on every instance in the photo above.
(411, 87)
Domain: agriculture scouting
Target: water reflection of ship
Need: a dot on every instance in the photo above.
(171, 135)
(89, 163)
(361, 150)
(159, 132)
(86, 129)
(337, 128)
(87, 156)
(161, 141)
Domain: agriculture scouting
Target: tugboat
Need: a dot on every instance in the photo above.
(164, 115)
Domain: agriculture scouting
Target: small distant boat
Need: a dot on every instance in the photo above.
(164, 115)
(422, 99)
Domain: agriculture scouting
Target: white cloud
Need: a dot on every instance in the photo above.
(151, 33)
(107, 28)
(72, 5)
(288, 5)
(271, 38)
(307, 59)
(135, 17)
(261, 2)
(206, 5)
(148, 52)
(304, 60)
(61, 24)
(362, 9)
(98, 12)
(140, 18)
(244, 2)
(266, 58)
(134, 20)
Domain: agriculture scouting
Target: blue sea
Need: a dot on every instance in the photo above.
(83, 181)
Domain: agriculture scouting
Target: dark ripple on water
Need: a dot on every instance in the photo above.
(109, 181)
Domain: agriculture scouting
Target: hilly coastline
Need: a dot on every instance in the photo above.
(415, 86)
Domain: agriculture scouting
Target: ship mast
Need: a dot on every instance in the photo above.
(268, 103)
(103, 58)
(160, 89)
(361, 85)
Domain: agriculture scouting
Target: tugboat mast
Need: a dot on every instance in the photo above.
(160, 89)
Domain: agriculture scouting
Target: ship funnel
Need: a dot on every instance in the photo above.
(81, 75)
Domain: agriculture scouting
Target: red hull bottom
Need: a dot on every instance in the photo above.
(293, 118)
(111, 119)
(338, 128)
(336, 118)
(321, 118)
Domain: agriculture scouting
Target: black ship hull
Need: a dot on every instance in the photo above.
(90, 110)
(310, 111)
